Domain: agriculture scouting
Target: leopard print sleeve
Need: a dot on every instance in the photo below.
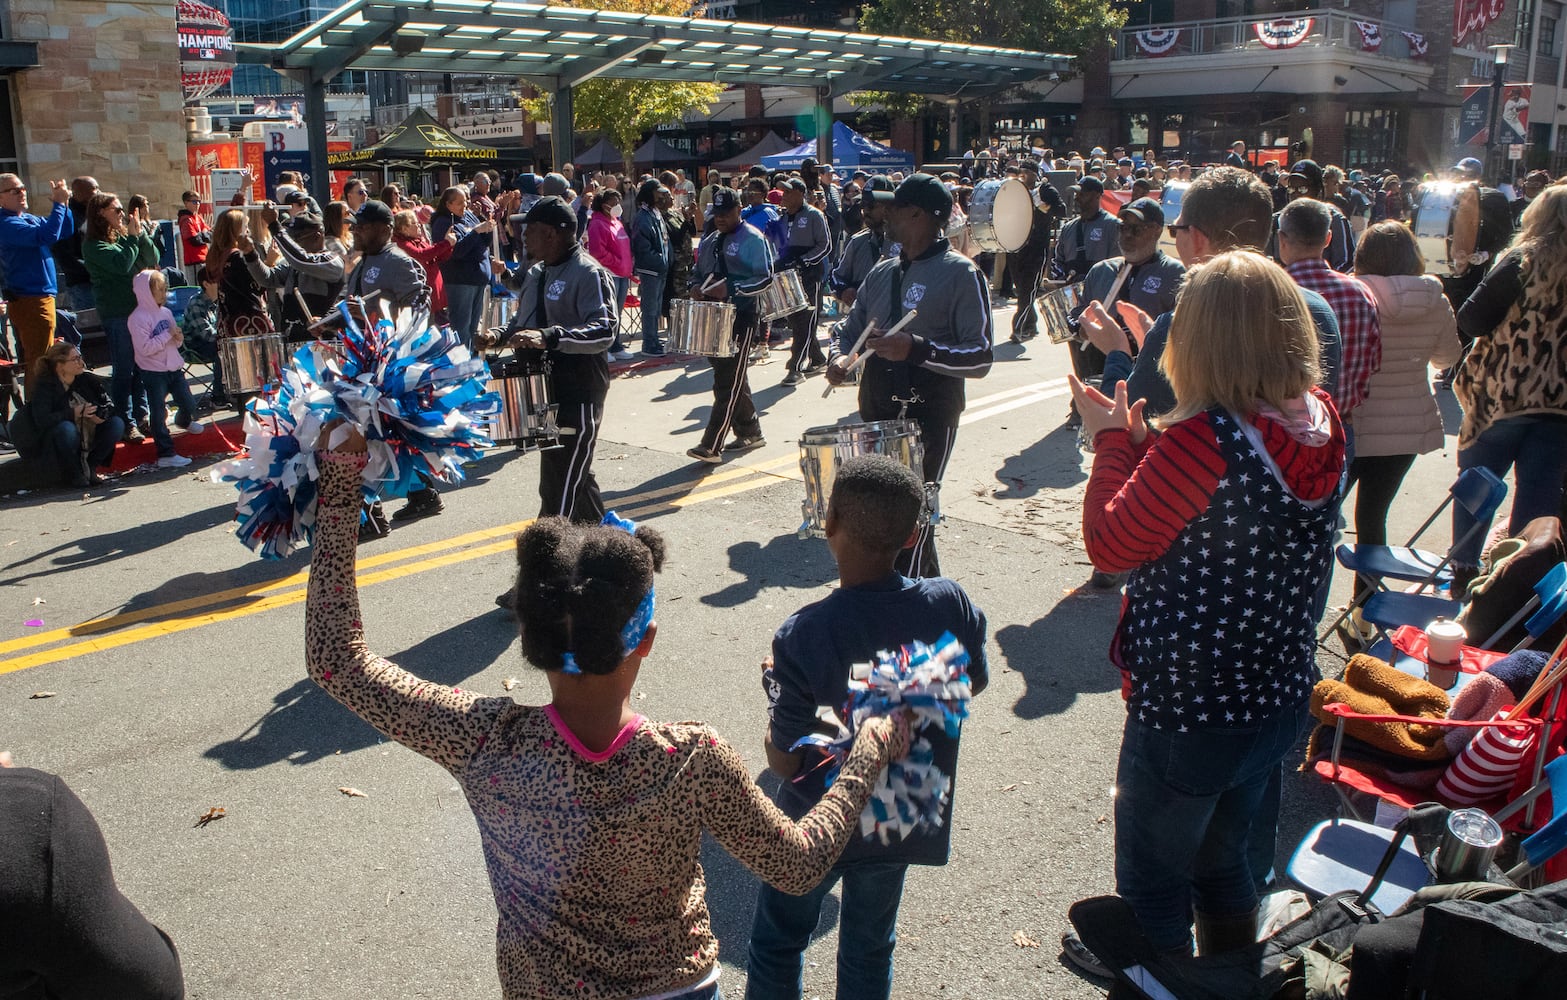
(788, 855)
(445, 724)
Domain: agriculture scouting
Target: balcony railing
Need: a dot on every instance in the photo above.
(1329, 29)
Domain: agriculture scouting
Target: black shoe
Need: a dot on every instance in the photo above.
(421, 504)
(793, 378)
(1073, 418)
(507, 600)
(750, 443)
(701, 454)
(369, 531)
(1081, 959)
(1106, 581)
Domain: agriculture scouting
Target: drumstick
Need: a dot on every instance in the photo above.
(900, 324)
(715, 279)
(865, 335)
(304, 308)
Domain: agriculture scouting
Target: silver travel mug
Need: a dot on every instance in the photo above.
(1468, 846)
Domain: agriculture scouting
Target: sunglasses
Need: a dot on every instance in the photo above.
(19, 187)
(1176, 228)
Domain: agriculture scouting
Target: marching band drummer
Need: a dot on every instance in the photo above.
(565, 314)
(919, 371)
(810, 242)
(1143, 275)
(866, 248)
(743, 258)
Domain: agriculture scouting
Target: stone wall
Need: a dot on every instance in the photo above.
(105, 98)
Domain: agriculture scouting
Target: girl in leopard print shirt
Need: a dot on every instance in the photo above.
(590, 816)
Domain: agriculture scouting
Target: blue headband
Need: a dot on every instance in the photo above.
(636, 626)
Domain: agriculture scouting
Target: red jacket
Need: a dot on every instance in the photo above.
(192, 225)
(429, 255)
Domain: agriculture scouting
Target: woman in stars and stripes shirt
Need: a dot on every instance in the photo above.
(1225, 517)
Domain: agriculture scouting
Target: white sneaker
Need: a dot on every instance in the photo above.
(196, 427)
(173, 462)
(620, 355)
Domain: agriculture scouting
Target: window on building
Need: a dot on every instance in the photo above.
(1550, 17)
(1524, 23)
(1371, 138)
(8, 158)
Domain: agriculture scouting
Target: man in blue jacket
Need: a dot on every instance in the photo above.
(30, 282)
(651, 255)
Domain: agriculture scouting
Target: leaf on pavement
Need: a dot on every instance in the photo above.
(41, 694)
(509, 683)
(211, 815)
(353, 793)
(1023, 940)
(39, 600)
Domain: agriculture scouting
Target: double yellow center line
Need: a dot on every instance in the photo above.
(113, 631)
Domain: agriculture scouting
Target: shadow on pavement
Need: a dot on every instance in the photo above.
(1052, 462)
(1062, 655)
(305, 724)
(785, 561)
(84, 551)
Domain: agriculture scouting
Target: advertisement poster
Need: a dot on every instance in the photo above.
(1474, 116)
(255, 163)
(284, 149)
(339, 177)
(202, 159)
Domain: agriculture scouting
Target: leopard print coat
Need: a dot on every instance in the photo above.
(593, 857)
(1521, 368)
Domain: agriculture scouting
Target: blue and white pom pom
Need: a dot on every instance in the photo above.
(416, 394)
(932, 682)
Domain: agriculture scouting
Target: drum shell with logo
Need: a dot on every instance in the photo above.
(1000, 214)
(527, 414)
(251, 363)
(1433, 226)
(823, 449)
(700, 327)
(784, 297)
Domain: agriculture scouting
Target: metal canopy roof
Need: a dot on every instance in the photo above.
(556, 47)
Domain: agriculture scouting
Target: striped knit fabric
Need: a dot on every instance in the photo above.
(1487, 766)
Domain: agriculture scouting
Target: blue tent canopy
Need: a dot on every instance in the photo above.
(850, 150)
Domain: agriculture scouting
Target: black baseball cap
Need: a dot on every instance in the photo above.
(1145, 210)
(725, 200)
(925, 192)
(1308, 171)
(1089, 183)
(553, 212)
(374, 212)
(880, 189)
(305, 222)
(792, 184)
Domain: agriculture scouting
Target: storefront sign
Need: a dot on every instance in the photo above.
(1471, 16)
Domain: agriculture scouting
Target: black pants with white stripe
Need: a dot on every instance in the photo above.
(1026, 273)
(732, 406)
(938, 435)
(567, 487)
(802, 324)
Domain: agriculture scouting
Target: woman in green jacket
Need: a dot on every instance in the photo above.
(114, 251)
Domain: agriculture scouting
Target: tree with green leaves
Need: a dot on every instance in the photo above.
(1082, 28)
(623, 110)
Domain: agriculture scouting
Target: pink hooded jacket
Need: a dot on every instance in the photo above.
(151, 326)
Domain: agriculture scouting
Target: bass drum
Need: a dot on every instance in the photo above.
(999, 215)
(1434, 226)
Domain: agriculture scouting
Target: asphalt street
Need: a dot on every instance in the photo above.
(175, 659)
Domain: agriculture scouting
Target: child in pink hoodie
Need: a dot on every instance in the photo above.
(156, 340)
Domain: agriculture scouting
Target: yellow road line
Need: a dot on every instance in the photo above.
(752, 477)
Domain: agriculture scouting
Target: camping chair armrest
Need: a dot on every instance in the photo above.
(1343, 711)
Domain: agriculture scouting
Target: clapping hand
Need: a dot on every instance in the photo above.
(59, 192)
(1136, 320)
(1101, 413)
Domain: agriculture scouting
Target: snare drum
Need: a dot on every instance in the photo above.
(527, 415)
(784, 297)
(700, 327)
(822, 449)
(1055, 310)
(1000, 214)
(251, 363)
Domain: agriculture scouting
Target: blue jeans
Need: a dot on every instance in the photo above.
(652, 296)
(62, 449)
(161, 385)
(465, 310)
(125, 384)
(622, 289)
(1187, 806)
(1535, 448)
(77, 297)
(867, 933)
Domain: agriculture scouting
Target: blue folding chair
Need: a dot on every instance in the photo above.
(1476, 490)
(1546, 842)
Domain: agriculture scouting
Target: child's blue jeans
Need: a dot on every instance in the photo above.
(161, 385)
(867, 932)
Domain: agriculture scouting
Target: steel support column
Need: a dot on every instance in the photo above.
(319, 183)
(824, 126)
(562, 127)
